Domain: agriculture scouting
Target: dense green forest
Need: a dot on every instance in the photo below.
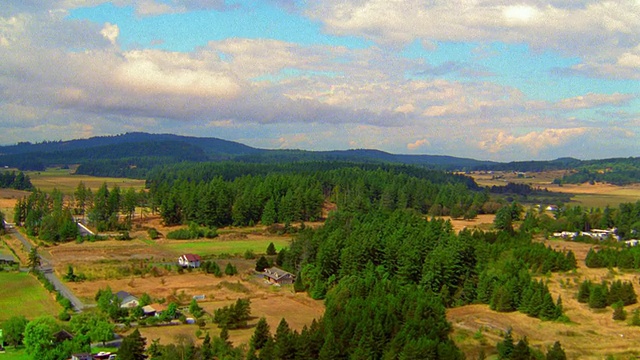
(218, 195)
(492, 268)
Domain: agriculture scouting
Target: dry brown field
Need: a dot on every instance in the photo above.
(482, 222)
(588, 195)
(273, 303)
(591, 334)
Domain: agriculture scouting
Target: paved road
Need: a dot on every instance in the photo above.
(47, 270)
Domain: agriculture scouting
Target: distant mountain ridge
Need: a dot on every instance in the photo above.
(145, 150)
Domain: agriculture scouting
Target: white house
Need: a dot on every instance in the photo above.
(127, 300)
(189, 260)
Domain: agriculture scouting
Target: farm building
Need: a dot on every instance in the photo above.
(189, 260)
(7, 259)
(278, 276)
(127, 300)
(154, 309)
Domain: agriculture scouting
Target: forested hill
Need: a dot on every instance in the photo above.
(133, 154)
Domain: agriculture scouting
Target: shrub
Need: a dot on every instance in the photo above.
(64, 316)
(124, 235)
(180, 234)
(153, 233)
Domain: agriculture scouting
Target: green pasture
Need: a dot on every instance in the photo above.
(65, 181)
(602, 200)
(233, 247)
(22, 294)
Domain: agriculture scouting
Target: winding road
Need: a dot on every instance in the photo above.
(47, 270)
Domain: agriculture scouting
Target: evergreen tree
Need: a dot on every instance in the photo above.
(271, 249)
(521, 351)
(33, 260)
(584, 291)
(298, 285)
(262, 264)
(506, 346)
(230, 270)
(504, 220)
(284, 342)
(635, 319)
(556, 352)
(598, 297)
(133, 347)
(269, 215)
(261, 335)
(618, 311)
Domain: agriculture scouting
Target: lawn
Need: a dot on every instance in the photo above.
(602, 200)
(22, 294)
(15, 354)
(233, 247)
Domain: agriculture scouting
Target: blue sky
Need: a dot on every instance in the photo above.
(485, 80)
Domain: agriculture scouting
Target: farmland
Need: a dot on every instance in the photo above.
(65, 181)
(587, 195)
(22, 294)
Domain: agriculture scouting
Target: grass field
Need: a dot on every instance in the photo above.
(65, 181)
(22, 294)
(15, 354)
(232, 247)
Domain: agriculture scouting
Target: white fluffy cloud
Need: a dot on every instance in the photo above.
(63, 78)
(572, 28)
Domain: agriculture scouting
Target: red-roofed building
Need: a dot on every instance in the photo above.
(189, 260)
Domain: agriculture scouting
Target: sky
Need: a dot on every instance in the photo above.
(494, 80)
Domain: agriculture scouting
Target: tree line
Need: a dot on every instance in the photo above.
(13, 180)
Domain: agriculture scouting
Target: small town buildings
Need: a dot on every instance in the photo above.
(278, 276)
(189, 260)
(596, 234)
(127, 300)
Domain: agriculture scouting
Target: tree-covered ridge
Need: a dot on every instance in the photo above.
(114, 159)
(617, 171)
(13, 180)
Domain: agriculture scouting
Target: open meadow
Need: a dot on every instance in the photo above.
(587, 195)
(22, 294)
(591, 334)
(67, 182)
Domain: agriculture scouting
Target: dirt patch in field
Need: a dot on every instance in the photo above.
(108, 250)
(483, 221)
